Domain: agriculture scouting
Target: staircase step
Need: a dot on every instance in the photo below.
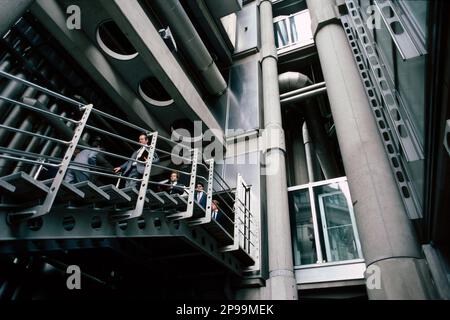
(92, 193)
(181, 202)
(133, 193)
(116, 196)
(6, 187)
(169, 202)
(24, 184)
(155, 200)
(67, 192)
(199, 211)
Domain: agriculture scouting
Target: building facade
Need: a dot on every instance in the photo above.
(317, 128)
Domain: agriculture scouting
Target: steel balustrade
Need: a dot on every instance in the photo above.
(244, 237)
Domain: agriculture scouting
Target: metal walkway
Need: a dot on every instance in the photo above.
(42, 212)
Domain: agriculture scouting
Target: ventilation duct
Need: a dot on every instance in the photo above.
(290, 81)
(193, 46)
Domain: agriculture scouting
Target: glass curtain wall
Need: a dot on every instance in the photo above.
(323, 223)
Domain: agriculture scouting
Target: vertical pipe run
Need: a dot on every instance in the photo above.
(282, 281)
(309, 154)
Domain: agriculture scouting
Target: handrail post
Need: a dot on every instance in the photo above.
(45, 208)
(209, 191)
(139, 208)
(191, 194)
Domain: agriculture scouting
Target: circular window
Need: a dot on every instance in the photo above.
(154, 93)
(114, 42)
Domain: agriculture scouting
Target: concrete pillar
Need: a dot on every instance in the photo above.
(387, 237)
(281, 276)
(10, 12)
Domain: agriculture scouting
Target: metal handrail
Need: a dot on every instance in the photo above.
(171, 169)
(114, 135)
(33, 134)
(78, 167)
(28, 161)
(106, 115)
(27, 106)
(28, 154)
(45, 90)
(109, 153)
(172, 155)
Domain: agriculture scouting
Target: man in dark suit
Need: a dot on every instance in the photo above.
(175, 186)
(134, 169)
(221, 218)
(200, 194)
(85, 157)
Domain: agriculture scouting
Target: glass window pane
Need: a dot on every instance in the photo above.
(302, 228)
(419, 9)
(411, 86)
(281, 33)
(336, 223)
(386, 47)
(301, 27)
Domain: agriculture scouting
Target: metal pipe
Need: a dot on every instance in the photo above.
(295, 80)
(15, 115)
(44, 131)
(106, 115)
(309, 153)
(186, 34)
(22, 137)
(10, 12)
(303, 96)
(11, 90)
(17, 142)
(302, 90)
(297, 156)
(41, 89)
(281, 280)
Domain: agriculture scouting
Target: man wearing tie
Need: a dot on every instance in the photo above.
(134, 169)
(215, 214)
(222, 218)
(200, 195)
(175, 186)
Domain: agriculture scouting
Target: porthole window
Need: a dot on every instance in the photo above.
(154, 93)
(114, 42)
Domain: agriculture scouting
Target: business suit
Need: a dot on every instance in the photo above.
(200, 197)
(176, 188)
(134, 169)
(223, 220)
(87, 157)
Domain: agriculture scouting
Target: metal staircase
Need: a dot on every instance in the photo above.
(41, 212)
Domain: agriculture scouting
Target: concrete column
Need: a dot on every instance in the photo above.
(282, 282)
(10, 12)
(387, 237)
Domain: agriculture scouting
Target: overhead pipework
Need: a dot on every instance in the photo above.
(291, 83)
(192, 45)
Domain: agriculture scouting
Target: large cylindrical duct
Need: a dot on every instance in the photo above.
(192, 44)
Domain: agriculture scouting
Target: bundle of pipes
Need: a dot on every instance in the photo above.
(292, 85)
(192, 45)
